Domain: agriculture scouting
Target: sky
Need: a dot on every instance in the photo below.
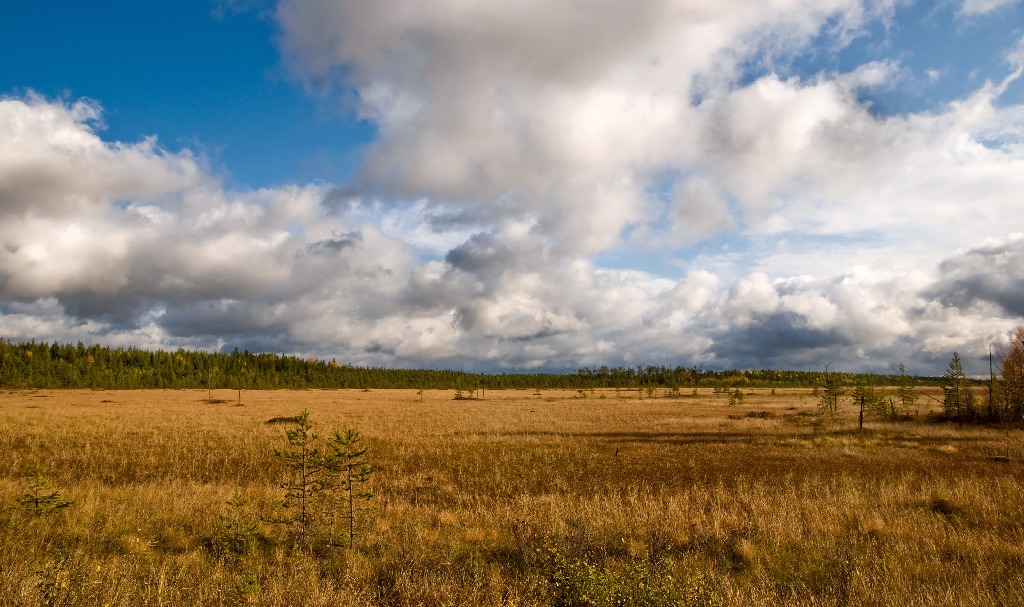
(512, 186)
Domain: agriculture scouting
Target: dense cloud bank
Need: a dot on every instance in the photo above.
(553, 186)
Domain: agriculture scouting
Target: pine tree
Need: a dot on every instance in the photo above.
(350, 467)
(1012, 374)
(306, 465)
(239, 526)
(829, 401)
(955, 387)
(871, 400)
(41, 498)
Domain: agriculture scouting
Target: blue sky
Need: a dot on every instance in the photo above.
(517, 185)
(194, 75)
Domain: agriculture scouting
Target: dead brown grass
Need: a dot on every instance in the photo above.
(756, 504)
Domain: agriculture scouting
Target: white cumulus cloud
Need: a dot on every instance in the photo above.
(553, 185)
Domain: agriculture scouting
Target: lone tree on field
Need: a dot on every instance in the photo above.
(869, 399)
(905, 390)
(350, 470)
(957, 390)
(829, 401)
(41, 498)
(306, 467)
(1012, 374)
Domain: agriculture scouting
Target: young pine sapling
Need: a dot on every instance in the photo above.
(307, 467)
(41, 498)
(350, 468)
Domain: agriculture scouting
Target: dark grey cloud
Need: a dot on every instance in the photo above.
(333, 246)
(992, 274)
(224, 319)
(509, 249)
(779, 341)
(341, 200)
(454, 219)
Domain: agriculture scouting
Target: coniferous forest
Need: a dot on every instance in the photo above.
(54, 365)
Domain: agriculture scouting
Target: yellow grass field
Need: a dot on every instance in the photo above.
(515, 498)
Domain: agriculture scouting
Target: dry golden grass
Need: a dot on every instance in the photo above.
(515, 499)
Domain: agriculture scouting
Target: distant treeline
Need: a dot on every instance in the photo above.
(41, 365)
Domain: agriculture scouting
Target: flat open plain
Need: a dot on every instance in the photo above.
(513, 498)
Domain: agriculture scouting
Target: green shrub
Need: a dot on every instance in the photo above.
(576, 582)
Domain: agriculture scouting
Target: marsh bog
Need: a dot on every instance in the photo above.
(519, 497)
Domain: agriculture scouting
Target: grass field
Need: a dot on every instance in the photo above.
(517, 498)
